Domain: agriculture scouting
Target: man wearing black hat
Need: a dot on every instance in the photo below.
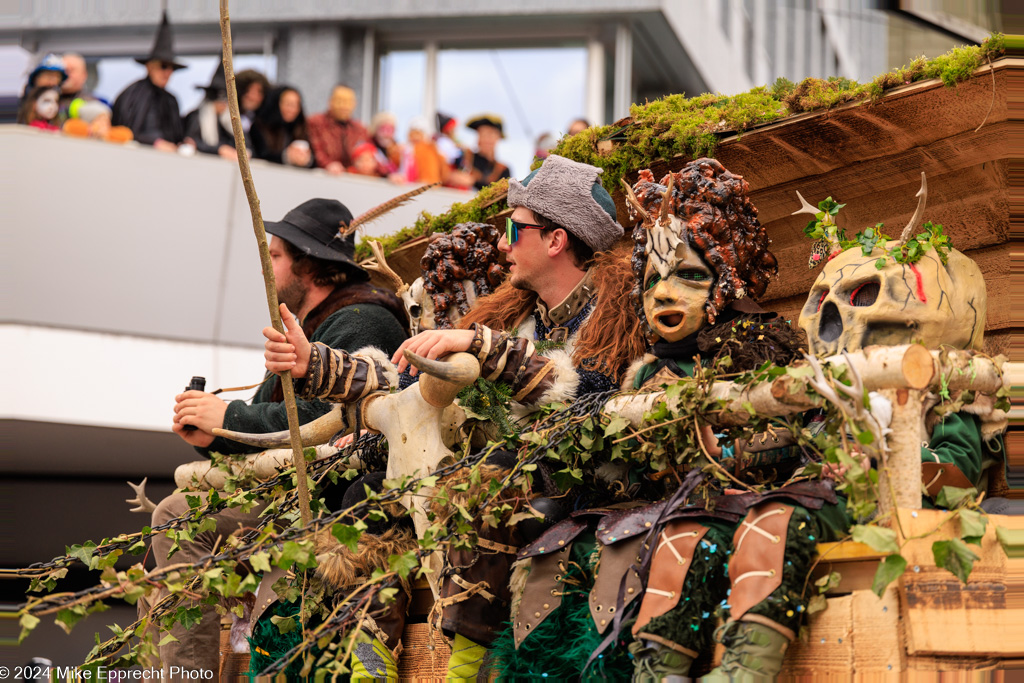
(317, 277)
(208, 127)
(145, 106)
(482, 166)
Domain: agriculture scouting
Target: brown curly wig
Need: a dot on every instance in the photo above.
(721, 224)
(468, 252)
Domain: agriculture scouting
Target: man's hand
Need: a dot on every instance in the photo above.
(335, 168)
(201, 410)
(288, 351)
(298, 155)
(432, 344)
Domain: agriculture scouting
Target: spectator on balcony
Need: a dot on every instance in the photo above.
(39, 109)
(422, 162)
(73, 87)
(366, 161)
(209, 125)
(279, 131)
(145, 106)
(545, 143)
(252, 87)
(481, 168)
(334, 134)
(48, 72)
(382, 134)
(578, 126)
(452, 150)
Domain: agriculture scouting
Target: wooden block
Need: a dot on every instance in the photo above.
(985, 617)
(829, 649)
(877, 634)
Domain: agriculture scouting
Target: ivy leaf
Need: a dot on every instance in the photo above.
(828, 582)
(567, 478)
(1012, 541)
(404, 563)
(955, 556)
(193, 501)
(348, 534)
(616, 425)
(284, 624)
(167, 639)
(817, 603)
(950, 496)
(890, 569)
(260, 561)
(879, 538)
(189, 616)
(972, 525)
(27, 622)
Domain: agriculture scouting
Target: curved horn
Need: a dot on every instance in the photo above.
(314, 433)
(923, 198)
(444, 379)
(805, 207)
(666, 200)
(633, 202)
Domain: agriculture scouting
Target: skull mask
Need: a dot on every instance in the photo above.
(853, 304)
(420, 305)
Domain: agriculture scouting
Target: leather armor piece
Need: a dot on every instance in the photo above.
(935, 475)
(755, 570)
(673, 556)
(558, 537)
(542, 593)
(479, 616)
(615, 564)
(808, 494)
(622, 524)
(341, 377)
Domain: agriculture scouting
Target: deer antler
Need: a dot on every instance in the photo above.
(381, 266)
(923, 195)
(805, 207)
(666, 202)
(381, 209)
(634, 203)
(140, 500)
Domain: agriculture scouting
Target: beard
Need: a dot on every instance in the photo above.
(293, 294)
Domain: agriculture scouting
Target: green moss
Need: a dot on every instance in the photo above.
(676, 125)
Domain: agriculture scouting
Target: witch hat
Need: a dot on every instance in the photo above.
(163, 46)
(218, 87)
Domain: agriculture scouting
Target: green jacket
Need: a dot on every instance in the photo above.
(349, 328)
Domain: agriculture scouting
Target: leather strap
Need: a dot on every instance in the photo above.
(542, 593)
(616, 565)
(759, 549)
(935, 475)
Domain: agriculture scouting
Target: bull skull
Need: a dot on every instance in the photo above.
(853, 304)
(415, 421)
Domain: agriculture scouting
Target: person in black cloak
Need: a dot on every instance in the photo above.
(145, 106)
(208, 126)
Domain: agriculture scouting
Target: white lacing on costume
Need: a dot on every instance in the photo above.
(752, 526)
(667, 541)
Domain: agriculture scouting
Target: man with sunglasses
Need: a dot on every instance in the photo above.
(566, 287)
(145, 106)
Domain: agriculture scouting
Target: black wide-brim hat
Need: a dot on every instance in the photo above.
(492, 120)
(313, 227)
(163, 46)
(218, 87)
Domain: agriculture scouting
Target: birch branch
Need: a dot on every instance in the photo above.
(268, 271)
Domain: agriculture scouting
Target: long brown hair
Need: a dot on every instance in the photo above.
(610, 339)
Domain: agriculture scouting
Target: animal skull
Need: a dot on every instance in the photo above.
(853, 304)
(420, 305)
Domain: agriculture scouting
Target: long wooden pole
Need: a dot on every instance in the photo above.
(268, 269)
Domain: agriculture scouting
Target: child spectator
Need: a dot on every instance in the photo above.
(451, 149)
(382, 134)
(279, 131)
(49, 72)
(365, 160)
(578, 126)
(91, 119)
(40, 108)
(545, 143)
(423, 163)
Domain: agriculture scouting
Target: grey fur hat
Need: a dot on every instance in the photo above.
(568, 193)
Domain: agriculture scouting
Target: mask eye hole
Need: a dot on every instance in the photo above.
(821, 300)
(865, 295)
(655, 279)
(414, 311)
